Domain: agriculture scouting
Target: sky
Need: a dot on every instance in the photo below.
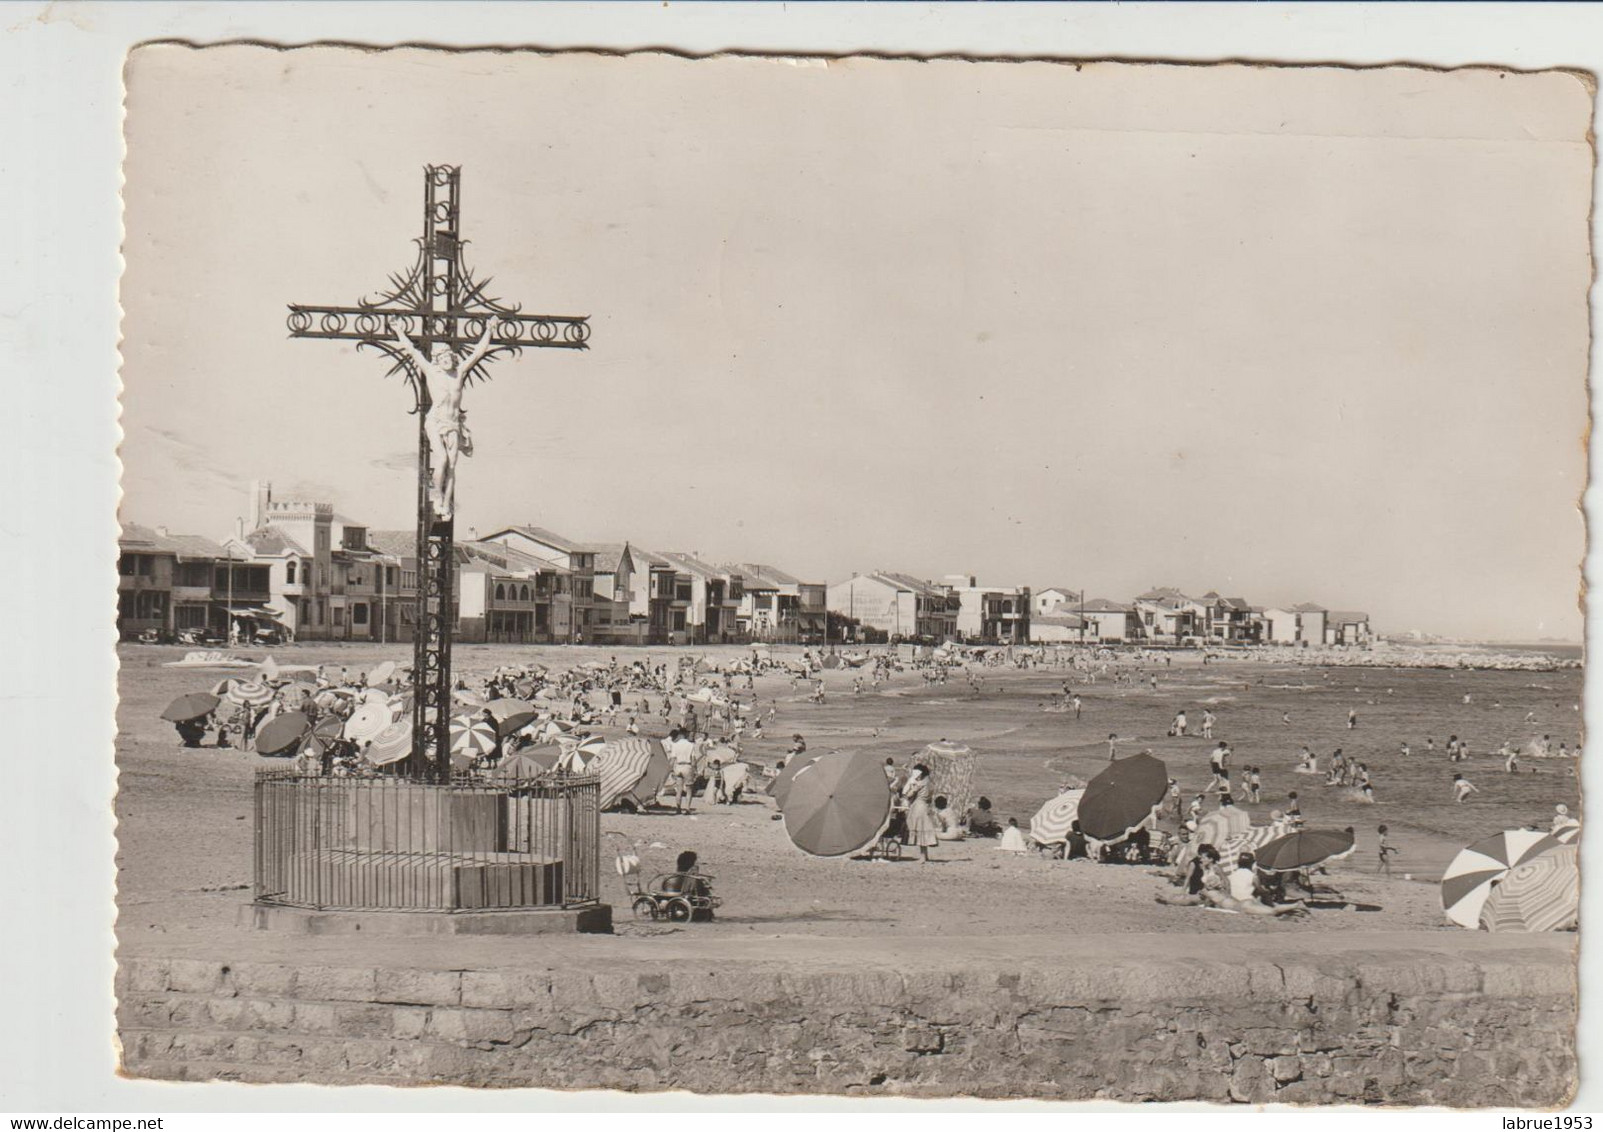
(1294, 334)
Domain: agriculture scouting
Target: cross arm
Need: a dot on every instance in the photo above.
(458, 329)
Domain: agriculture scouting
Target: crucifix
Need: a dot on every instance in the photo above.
(439, 329)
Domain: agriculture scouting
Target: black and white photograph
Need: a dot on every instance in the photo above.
(921, 579)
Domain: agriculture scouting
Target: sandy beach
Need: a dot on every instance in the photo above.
(184, 854)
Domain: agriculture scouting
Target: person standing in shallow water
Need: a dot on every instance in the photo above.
(922, 829)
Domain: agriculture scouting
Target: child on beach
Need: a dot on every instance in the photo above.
(1511, 760)
(1254, 785)
(1293, 809)
(1386, 851)
(1113, 751)
(1463, 788)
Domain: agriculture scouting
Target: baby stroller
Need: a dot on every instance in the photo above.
(678, 898)
(889, 845)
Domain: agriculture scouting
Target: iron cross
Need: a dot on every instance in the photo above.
(436, 306)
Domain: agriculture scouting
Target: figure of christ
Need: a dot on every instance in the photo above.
(445, 423)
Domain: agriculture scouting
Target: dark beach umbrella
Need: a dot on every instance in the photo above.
(506, 724)
(281, 733)
(1304, 849)
(837, 804)
(778, 788)
(1122, 797)
(190, 705)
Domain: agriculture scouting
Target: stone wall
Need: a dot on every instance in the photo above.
(1483, 1031)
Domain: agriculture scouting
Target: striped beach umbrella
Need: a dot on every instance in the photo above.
(1252, 839)
(472, 736)
(367, 721)
(620, 766)
(390, 745)
(1540, 894)
(248, 693)
(1050, 825)
(575, 754)
(646, 790)
(1568, 834)
(1469, 876)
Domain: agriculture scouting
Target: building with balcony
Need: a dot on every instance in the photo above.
(992, 615)
(577, 558)
(713, 613)
(778, 607)
(898, 607)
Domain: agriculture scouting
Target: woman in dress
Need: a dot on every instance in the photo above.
(922, 828)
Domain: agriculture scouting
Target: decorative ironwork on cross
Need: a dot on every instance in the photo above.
(440, 328)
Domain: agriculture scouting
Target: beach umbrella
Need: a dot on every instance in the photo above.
(190, 705)
(575, 754)
(1303, 849)
(524, 688)
(382, 674)
(1125, 794)
(1249, 840)
(524, 764)
(248, 693)
(620, 766)
(831, 661)
(1469, 876)
(390, 745)
(780, 785)
(299, 688)
(466, 698)
(837, 804)
(472, 736)
(1540, 894)
(657, 770)
(506, 706)
(374, 696)
(281, 733)
(508, 724)
(1568, 833)
(367, 721)
(1050, 825)
(269, 669)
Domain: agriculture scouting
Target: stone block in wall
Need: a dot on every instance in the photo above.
(193, 976)
(424, 988)
(351, 984)
(464, 1024)
(263, 980)
(363, 1019)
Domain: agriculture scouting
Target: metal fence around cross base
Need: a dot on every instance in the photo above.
(396, 844)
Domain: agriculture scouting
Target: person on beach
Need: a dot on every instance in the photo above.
(1012, 839)
(1384, 851)
(1463, 788)
(1113, 747)
(1352, 719)
(1178, 727)
(1208, 720)
(682, 757)
(922, 830)
(1563, 819)
(981, 821)
(1254, 785)
(1430, 746)
(1511, 760)
(947, 821)
(1306, 763)
(1293, 809)
(1219, 758)
(1403, 749)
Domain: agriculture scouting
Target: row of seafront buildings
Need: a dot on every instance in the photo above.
(891, 606)
(300, 569)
